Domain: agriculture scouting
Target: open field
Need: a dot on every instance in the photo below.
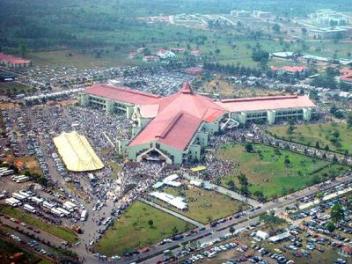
(324, 134)
(226, 90)
(79, 60)
(204, 206)
(268, 172)
(30, 219)
(133, 229)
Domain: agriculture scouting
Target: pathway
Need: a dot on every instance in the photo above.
(180, 216)
(227, 192)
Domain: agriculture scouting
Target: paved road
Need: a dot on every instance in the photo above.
(180, 216)
(249, 216)
(43, 236)
(222, 190)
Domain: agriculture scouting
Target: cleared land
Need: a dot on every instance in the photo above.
(55, 230)
(268, 172)
(204, 206)
(227, 90)
(335, 135)
(134, 229)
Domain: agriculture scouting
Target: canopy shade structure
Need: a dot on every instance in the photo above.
(77, 153)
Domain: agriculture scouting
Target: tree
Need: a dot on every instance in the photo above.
(174, 230)
(150, 223)
(23, 49)
(276, 28)
(231, 185)
(330, 226)
(337, 213)
(259, 195)
(349, 121)
(232, 230)
(249, 147)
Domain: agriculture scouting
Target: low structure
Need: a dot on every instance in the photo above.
(346, 75)
(176, 128)
(77, 153)
(13, 61)
(176, 201)
(289, 69)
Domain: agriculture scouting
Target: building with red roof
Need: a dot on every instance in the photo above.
(289, 69)
(346, 75)
(12, 61)
(176, 128)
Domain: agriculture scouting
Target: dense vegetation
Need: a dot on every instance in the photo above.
(87, 24)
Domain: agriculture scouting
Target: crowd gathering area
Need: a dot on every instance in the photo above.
(65, 183)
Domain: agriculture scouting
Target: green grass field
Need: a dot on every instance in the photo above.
(132, 229)
(30, 219)
(267, 171)
(310, 134)
(204, 206)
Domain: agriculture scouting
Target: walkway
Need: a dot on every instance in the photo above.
(227, 192)
(180, 216)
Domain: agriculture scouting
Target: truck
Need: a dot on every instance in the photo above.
(29, 208)
(48, 205)
(37, 200)
(22, 179)
(62, 210)
(84, 215)
(69, 206)
(19, 196)
(13, 202)
(57, 212)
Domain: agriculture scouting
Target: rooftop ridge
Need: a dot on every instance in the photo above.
(168, 128)
(129, 90)
(264, 98)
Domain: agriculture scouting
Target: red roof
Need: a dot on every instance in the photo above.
(122, 94)
(12, 59)
(178, 117)
(292, 69)
(346, 74)
(266, 103)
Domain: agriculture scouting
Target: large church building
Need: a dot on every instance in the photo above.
(176, 128)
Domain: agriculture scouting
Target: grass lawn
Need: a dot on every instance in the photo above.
(132, 230)
(309, 134)
(204, 206)
(267, 171)
(30, 219)
(79, 60)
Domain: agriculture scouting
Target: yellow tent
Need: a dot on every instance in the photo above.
(77, 153)
(198, 168)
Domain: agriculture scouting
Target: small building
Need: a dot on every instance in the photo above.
(279, 237)
(165, 54)
(151, 58)
(289, 69)
(194, 70)
(196, 52)
(346, 251)
(262, 235)
(13, 61)
(283, 55)
(346, 75)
